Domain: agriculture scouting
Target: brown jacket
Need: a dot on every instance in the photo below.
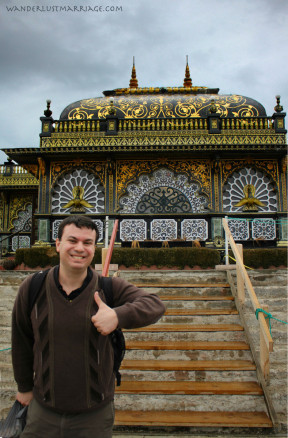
(58, 353)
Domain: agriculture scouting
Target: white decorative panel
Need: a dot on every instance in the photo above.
(55, 227)
(264, 228)
(133, 229)
(249, 190)
(24, 220)
(194, 229)
(239, 229)
(56, 224)
(21, 242)
(163, 192)
(80, 191)
(163, 229)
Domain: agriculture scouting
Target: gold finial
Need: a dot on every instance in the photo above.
(48, 112)
(187, 80)
(133, 81)
(278, 108)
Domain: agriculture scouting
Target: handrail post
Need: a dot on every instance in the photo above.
(226, 246)
(264, 352)
(240, 279)
(105, 269)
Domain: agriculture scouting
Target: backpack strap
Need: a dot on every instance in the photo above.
(35, 287)
(106, 286)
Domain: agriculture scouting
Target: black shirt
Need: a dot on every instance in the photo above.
(75, 293)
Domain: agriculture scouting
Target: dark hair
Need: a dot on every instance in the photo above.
(79, 222)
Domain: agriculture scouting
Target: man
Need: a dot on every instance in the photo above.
(62, 354)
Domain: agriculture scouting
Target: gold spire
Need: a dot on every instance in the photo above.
(133, 81)
(187, 80)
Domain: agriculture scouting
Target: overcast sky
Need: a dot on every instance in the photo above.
(239, 46)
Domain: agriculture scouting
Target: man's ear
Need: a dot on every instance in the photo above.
(57, 244)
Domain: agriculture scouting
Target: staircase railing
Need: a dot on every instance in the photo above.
(266, 341)
(107, 252)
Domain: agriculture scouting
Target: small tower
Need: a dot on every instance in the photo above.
(187, 80)
(133, 81)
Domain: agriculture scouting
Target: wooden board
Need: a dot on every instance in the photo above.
(192, 418)
(186, 345)
(188, 328)
(182, 387)
(191, 312)
(187, 365)
(196, 297)
(188, 285)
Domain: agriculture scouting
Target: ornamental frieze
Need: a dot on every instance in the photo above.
(165, 142)
(60, 168)
(18, 180)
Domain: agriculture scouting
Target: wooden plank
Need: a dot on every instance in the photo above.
(190, 387)
(186, 345)
(188, 285)
(188, 328)
(188, 365)
(196, 298)
(192, 418)
(191, 312)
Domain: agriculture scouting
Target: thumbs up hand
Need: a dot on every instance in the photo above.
(105, 320)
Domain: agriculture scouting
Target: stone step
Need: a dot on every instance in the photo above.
(13, 277)
(209, 305)
(198, 403)
(200, 319)
(215, 336)
(193, 375)
(189, 291)
(187, 355)
(164, 276)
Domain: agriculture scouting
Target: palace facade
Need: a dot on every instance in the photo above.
(169, 162)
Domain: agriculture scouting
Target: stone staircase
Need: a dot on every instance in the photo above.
(192, 372)
(193, 369)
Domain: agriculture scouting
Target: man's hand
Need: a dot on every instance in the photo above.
(24, 397)
(105, 320)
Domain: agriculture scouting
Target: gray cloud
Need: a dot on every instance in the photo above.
(236, 46)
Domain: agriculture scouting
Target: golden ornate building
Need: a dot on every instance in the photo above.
(168, 162)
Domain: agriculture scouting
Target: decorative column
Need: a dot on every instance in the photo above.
(110, 167)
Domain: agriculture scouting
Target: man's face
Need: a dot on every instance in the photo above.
(76, 247)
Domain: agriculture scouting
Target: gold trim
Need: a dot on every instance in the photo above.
(111, 186)
(162, 141)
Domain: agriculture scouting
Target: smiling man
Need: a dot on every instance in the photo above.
(61, 351)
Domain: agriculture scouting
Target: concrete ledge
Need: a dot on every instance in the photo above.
(112, 267)
(225, 267)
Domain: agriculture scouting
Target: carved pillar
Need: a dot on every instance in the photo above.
(110, 167)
